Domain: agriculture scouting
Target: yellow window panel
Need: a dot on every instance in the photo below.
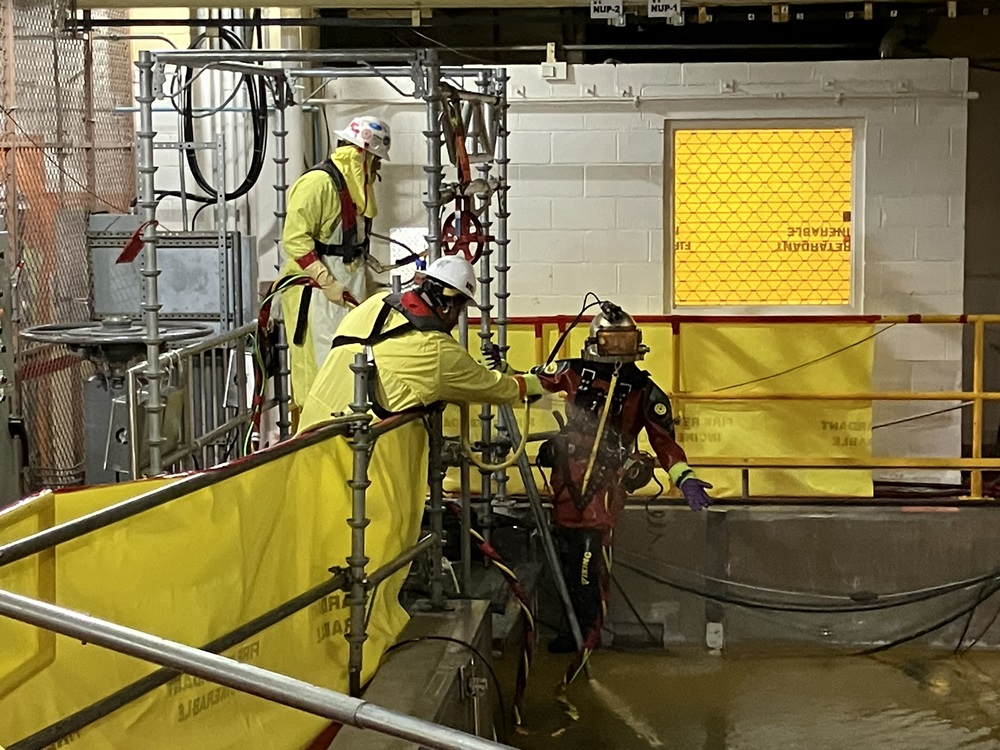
(762, 216)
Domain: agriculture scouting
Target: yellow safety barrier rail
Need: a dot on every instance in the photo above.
(544, 330)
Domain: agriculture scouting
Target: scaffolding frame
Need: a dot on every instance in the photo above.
(358, 428)
(427, 74)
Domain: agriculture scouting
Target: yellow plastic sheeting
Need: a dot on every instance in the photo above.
(762, 216)
(717, 357)
(203, 565)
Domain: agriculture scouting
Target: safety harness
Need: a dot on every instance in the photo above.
(350, 249)
(414, 322)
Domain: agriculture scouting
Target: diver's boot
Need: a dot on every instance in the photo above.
(562, 644)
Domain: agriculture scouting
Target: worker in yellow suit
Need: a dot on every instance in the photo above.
(416, 362)
(326, 237)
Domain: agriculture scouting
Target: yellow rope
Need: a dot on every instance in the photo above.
(606, 409)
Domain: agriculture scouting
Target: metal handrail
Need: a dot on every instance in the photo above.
(184, 356)
(243, 677)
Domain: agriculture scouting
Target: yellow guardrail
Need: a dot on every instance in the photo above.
(669, 369)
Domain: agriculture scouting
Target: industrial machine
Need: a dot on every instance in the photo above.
(112, 345)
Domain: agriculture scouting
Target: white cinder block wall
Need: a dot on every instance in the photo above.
(587, 193)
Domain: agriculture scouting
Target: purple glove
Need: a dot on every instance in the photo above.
(495, 361)
(694, 492)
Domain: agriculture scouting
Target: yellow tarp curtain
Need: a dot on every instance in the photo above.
(736, 358)
(195, 569)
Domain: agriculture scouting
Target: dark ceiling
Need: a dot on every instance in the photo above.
(812, 32)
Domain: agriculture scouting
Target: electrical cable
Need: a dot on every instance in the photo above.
(968, 622)
(256, 89)
(928, 592)
(915, 417)
(870, 606)
(750, 604)
(810, 362)
(927, 629)
(454, 51)
(982, 632)
(474, 650)
(574, 324)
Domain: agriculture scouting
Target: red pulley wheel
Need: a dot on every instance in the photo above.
(463, 234)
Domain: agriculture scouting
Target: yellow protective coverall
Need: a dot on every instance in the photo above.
(314, 214)
(415, 369)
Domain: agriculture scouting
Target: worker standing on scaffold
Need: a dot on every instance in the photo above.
(326, 238)
(415, 361)
(595, 461)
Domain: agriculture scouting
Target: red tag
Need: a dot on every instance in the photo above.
(134, 246)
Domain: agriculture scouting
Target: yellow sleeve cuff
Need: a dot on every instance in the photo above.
(679, 472)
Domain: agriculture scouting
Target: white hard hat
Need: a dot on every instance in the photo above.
(369, 133)
(454, 272)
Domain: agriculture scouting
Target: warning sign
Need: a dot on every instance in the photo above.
(607, 9)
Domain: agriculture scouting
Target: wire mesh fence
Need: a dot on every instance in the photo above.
(64, 153)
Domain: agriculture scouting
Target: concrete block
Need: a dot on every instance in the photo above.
(656, 305)
(914, 143)
(915, 343)
(936, 376)
(922, 277)
(526, 82)
(939, 243)
(781, 72)
(915, 211)
(890, 374)
(583, 213)
(530, 279)
(551, 304)
(584, 147)
(640, 147)
(640, 278)
(548, 181)
(616, 246)
(922, 74)
(943, 175)
(959, 74)
(702, 74)
(656, 174)
(565, 246)
(634, 304)
(530, 213)
(959, 141)
(525, 147)
(942, 112)
(601, 278)
(548, 121)
(616, 118)
(890, 244)
(896, 303)
(657, 248)
(643, 78)
(956, 211)
(621, 180)
(581, 77)
(640, 213)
